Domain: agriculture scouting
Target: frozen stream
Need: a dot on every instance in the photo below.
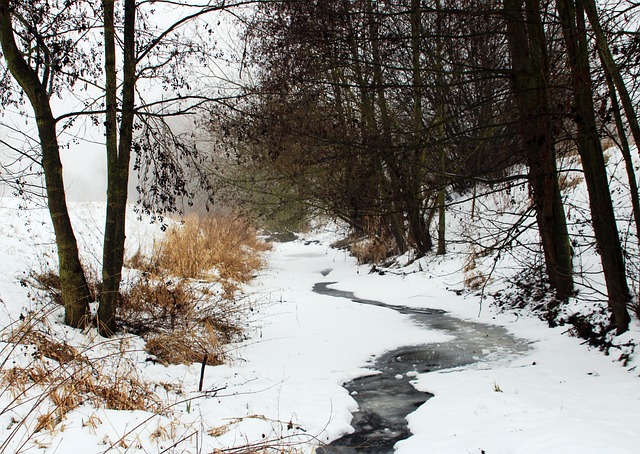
(387, 396)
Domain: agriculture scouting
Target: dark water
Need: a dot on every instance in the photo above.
(387, 396)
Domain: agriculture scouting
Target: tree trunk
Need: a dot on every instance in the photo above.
(530, 75)
(612, 71)
(395, 214)
(75, 291)
(118, 157)
(616, 83)
(626, 154)
(414, 198)
(442, 230)
(571, 14)
(441, 198)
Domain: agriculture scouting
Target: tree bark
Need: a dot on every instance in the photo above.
(118, 157)
(615, 83)
(571, 14)
(414, 197)
(394, 215)
(75, 291)
(626, 154)
(441, 197)
(530, 75)
(612, 71)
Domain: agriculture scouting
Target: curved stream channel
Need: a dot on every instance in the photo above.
(387, 397)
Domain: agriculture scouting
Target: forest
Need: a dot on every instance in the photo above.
(383, 114)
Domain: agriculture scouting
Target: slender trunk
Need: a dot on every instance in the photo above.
(612, 71)
(414, 199)
(616, 83)
(106, 321)
(394, 215)
(441, 202)
(75, 291)
(530, 75)
(439, 127)
(118, 157)
(626, 154)
(571, 14)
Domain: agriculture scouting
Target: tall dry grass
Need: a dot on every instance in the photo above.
(174, 301)
(222, 247)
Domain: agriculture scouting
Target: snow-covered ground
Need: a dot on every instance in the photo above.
(283, 383)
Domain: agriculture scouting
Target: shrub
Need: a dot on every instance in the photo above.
(367, 249)
(474, 278)
(188, 346)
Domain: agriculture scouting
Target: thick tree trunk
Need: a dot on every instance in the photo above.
(118, 157)
(75, 291)
(530, 75)
(571, 14)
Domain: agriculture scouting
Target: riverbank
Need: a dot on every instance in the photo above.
(283, 387)
(558, 397)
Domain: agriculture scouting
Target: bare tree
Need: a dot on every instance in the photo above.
(42, 61)
(572, 18)
(36, 71)
(531, 81)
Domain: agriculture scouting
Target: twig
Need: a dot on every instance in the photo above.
(204, 363)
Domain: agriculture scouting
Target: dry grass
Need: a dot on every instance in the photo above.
(48, 281)
(71, 377)
(188, 346)
(180, 320)
(367, 250)
(474, 279)
(44, 379)
(287, 439)
(222, 248)
(152, 303)
(58, 378)
(569, 181)
(173, 302)
(375, 250)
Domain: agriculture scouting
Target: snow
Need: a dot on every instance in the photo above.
(283, 384)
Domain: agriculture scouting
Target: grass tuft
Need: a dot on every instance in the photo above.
(180, 320)
(187, 346)
(220, 248)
